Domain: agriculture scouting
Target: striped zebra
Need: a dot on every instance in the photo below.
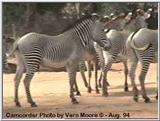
(66, 49)
(118, 48)
(142, 46)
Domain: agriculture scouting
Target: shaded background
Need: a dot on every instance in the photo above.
(53, 18)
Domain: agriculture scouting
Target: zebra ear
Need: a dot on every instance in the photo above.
(95, 16)
(122, 15)
(128, 17)
(104, 19)
(83, 14)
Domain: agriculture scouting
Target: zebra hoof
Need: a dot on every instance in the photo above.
(126, 89)
(147, 100)
(78, 93)
(74, 101)
(18, 104)
(105, 94)
(34, 105)
(89, 90)
(97, 91)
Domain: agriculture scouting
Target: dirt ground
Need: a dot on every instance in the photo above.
(50, 90)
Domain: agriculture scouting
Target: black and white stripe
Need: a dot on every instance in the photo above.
(82, 30)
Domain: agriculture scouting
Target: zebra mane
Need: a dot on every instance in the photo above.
(78, 22)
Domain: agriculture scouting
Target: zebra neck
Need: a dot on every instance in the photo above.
(83, 33)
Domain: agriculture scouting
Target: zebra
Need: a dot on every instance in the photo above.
(75, 44)
(125, 26)
(142, 46)
(118, 49)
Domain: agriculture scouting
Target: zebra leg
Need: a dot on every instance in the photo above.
(19, 73)
(27, 80)
(18, 76)
(104, 85)
(84, 79)
(96, 84)
(132, 78)
(82, 71)
(89, 77)
(144, 70)
(126, 74)
(71, 69)
(157, 96)
(105, 71)
(77, 90)
(100, 79)
(107, 83)
(157, 87)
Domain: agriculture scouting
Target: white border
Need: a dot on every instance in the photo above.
(80, 0)
(1, 74)
(158, 60)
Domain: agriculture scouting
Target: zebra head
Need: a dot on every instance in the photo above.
(136, 22)
(141, 19)
(99, 35)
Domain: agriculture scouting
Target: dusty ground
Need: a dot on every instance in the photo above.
(50, 91)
